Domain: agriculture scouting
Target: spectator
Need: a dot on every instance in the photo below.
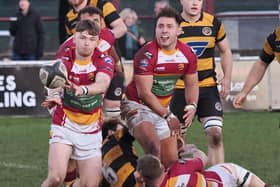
(132, 40)
(159, 5)
(28, 33)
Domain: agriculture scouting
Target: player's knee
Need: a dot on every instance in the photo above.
(55, 180)
(153, 148)
(213, 129)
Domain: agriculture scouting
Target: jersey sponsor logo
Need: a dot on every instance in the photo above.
(175, 58)
(74, 79)
(143, 64)
(118, 91)
(207, 31)
(162, 68)
(218, 106)
(108, 60)
(66, 49)
(104, 46)
(78, 69)
(198, 47)
(148, 54)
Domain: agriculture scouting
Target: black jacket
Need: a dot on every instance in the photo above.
(29, 33)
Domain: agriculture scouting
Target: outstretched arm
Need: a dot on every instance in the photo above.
(226, 63)
(101, 84)
(255, 76)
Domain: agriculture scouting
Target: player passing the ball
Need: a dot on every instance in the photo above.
(113, 96)
(76, 119)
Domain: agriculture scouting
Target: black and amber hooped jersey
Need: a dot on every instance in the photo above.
(119, 160)
(109, 13)
(271, 47)
(202, 37)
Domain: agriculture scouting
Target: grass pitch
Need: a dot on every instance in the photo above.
(251, 139)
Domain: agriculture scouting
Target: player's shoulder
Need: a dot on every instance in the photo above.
(101, 4)
(207, 15)
(67, 43)
(148, 51)
(277, 29)
(70, 14)
(211, 19)
(106, 31)
(150, 46)
(66, 48)
(67, 60)
(276, 32)
(107, 35)
(273, 36)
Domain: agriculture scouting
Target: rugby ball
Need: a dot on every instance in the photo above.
(53, 76)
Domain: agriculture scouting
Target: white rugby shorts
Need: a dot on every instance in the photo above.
(232, 174)
(143, 113)
(84, 146)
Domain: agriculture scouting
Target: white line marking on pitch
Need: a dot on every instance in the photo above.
(18, 166)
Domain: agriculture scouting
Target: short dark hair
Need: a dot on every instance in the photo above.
(90, 10)
(87, 25)
(110, 124)
(149, 167)
(170, 13)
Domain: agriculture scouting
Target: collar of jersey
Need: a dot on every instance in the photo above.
(168, 52)
(82, 62)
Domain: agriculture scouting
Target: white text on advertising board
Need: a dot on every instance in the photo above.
(10, 97)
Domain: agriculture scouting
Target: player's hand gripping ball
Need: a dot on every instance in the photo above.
(53, 76)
